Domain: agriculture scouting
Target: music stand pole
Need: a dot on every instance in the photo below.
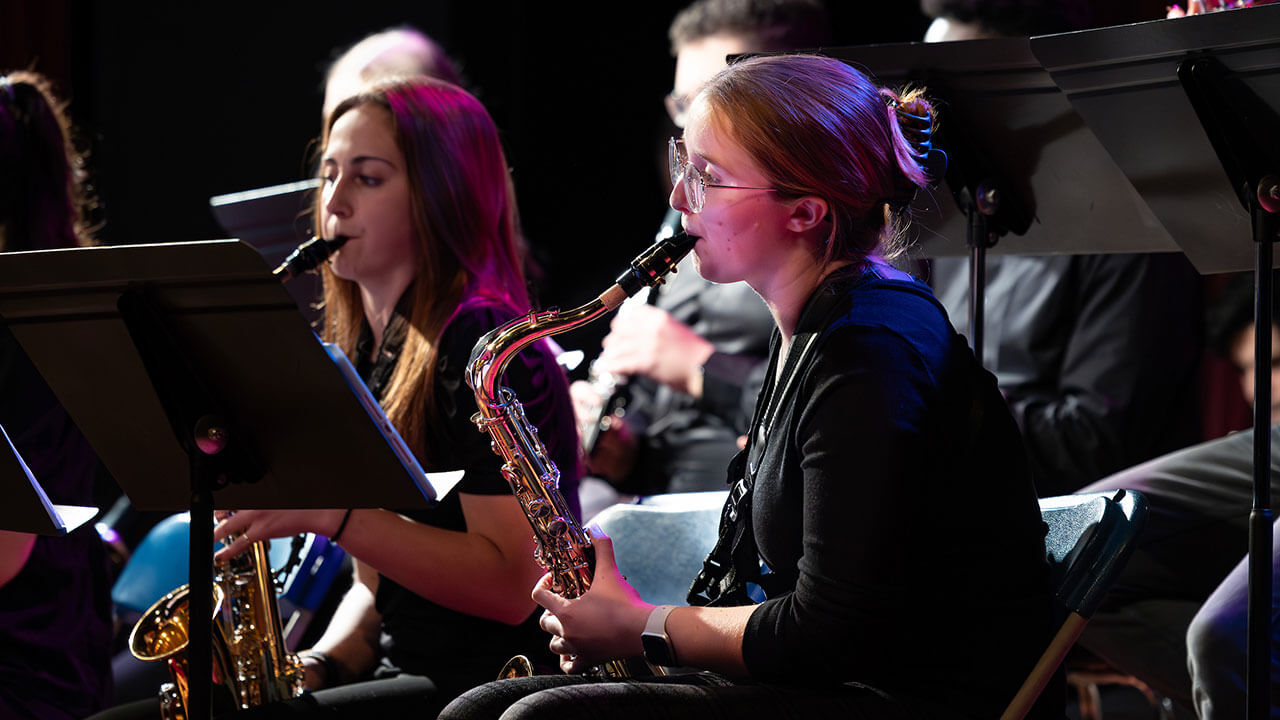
(196, 419)
(1258, 683)
(1239, 126)
(979, 204)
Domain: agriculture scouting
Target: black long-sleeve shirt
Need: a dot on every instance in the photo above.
(1097, 355)
(892, 493)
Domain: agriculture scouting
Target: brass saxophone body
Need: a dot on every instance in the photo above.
(563, 547)
(251, 664)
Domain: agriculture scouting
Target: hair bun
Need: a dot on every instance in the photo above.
(915, 116)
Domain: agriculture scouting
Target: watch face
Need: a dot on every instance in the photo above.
(656, 649)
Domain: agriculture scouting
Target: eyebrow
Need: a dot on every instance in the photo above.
(360, 160)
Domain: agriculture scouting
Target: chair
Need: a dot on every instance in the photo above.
(660, 543)
(157, 565)
(1090, 538)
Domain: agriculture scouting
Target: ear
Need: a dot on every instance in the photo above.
(807, 213)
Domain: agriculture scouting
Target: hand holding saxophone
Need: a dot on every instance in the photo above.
(601, 625)
(246, 527)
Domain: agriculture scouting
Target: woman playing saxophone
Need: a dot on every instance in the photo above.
(414, 175)
(835, 591)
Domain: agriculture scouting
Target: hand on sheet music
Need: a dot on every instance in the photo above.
(603, 624)
(647, 340)
(251, 526)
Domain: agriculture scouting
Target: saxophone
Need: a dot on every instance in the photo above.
(251, 664)
(563, 548)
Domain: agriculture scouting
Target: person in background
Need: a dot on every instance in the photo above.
(794, 172)
(55, 605)
(1097, 355)
(397, 52)
(1176, 616)
(689, 363)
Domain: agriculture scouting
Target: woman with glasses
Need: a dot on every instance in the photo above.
(881, 552)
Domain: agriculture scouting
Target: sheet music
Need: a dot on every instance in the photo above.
(62, 518)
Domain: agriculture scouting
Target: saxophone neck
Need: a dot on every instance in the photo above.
(492, 352)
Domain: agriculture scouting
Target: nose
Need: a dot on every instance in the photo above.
(336, 202)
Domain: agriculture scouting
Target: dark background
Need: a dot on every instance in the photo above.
(179, 102)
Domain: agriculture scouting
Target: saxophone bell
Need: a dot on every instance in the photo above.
(251, 665)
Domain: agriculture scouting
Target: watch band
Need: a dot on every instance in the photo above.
(656, 642)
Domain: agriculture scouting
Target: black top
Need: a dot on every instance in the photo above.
(55, 614)
(1098, 356)
(458, 651)
(894, 504)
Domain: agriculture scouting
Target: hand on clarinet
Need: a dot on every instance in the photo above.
(648, 341)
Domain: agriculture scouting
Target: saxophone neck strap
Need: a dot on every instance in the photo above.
(734, 564)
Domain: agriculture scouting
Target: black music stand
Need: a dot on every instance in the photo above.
(26, 507)
(1177, 103)
(1020, 162)
(190, 372)
(274, 220)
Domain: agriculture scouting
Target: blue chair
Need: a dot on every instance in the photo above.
(660, 543)
(158, 565)
(1090, 539)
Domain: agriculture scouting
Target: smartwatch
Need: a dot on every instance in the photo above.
(657, 646)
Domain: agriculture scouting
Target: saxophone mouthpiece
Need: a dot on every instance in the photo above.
(308, 256)
(650, 266)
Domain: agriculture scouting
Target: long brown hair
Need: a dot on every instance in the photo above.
(465, 224)
(816, 126)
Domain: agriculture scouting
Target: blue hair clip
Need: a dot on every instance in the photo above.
(7, 86)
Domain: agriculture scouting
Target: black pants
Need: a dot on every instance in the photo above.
(705, 696)
(408, 696)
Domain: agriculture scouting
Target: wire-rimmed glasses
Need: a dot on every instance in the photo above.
(695, 183)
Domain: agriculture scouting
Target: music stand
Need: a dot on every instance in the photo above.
(190, 372)
(1187, 107)
(274, 220)
(1007, 128)
(27, 508)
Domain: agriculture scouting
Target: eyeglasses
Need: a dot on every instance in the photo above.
(695, 183)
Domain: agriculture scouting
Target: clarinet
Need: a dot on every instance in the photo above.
(614, 390)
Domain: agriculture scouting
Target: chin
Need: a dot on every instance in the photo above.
(700, 265)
